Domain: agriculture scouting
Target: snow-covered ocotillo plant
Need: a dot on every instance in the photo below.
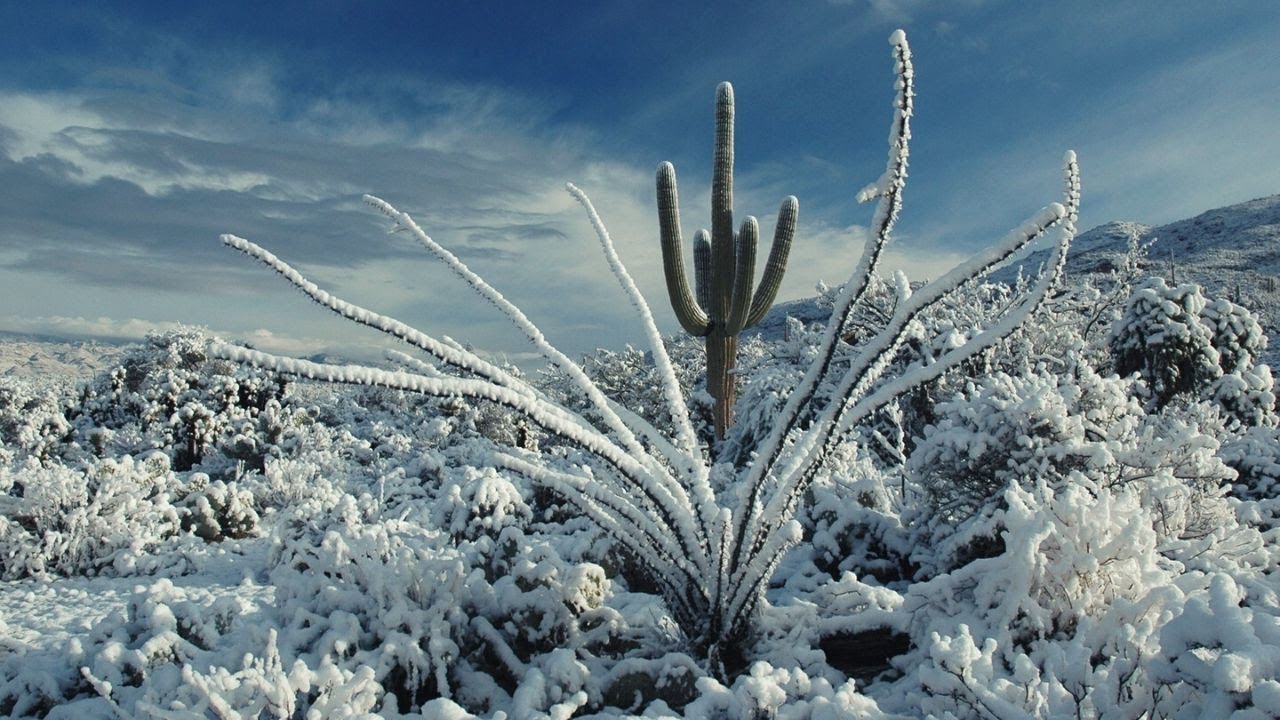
(711, 556)
(724, 266)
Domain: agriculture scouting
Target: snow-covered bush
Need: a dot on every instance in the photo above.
(1162, 339)
(1090, 609)
(1062, 430)
(217, 510)
(1237, 335)
(1220, 657)
(1006, 429)
(170, 395)
(33, 420)
(104, 517)
(1185, 345)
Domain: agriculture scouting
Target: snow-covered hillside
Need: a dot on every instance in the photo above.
(1233, 251)
(23, 356)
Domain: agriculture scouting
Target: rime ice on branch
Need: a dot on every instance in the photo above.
(711, 557)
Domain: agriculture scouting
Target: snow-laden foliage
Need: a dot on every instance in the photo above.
(1183, 344)
(1004, 429)
(171, 395)
(105, 516)
(33, 420)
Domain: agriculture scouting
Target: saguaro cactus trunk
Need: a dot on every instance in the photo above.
(726, 302)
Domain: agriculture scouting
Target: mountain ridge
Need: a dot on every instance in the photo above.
(1231, 251)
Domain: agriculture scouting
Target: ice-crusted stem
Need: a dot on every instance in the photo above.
(517, 317)
(671, 392)
(647, 492)
(447, 351)
(888, 189)
(612, 512)
(854, 400)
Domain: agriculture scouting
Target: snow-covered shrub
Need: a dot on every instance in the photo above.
(1161, 338)
(1220, 657)
(1060, 431)
(33, 420)
(460, 598)
(217, 510)
(1185, 345)
(1237, 335)
(174, 650)
(104, 517)
(170, 395)
(1246, 395)
(852, 522)
(1008, 429)
(1255, 455)
(1057, 622)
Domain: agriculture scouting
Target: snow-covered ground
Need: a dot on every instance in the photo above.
(45, 614)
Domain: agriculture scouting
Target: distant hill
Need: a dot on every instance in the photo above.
(44, 358)
(1232, 251)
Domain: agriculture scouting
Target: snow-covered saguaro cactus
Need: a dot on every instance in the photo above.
(711, 556)
(724, 266)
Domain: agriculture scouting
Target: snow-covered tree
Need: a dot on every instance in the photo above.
(711, 554)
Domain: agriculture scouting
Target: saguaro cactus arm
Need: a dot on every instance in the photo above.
(776, 265)
(693, 318)
(744, 246)
(702, 267)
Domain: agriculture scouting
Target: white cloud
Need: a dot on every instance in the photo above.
(136, 329)
(35, 120)
(101, 328)
(488, 187)
(60, 126)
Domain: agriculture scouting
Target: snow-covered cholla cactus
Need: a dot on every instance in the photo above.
(724, 266)
(712, 557)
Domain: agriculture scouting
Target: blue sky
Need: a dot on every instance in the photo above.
(133, 134)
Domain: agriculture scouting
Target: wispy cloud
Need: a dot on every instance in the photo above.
(139, 207)
(1156, 144)
(101, 328)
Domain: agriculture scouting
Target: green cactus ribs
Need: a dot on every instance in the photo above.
(724, 301)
